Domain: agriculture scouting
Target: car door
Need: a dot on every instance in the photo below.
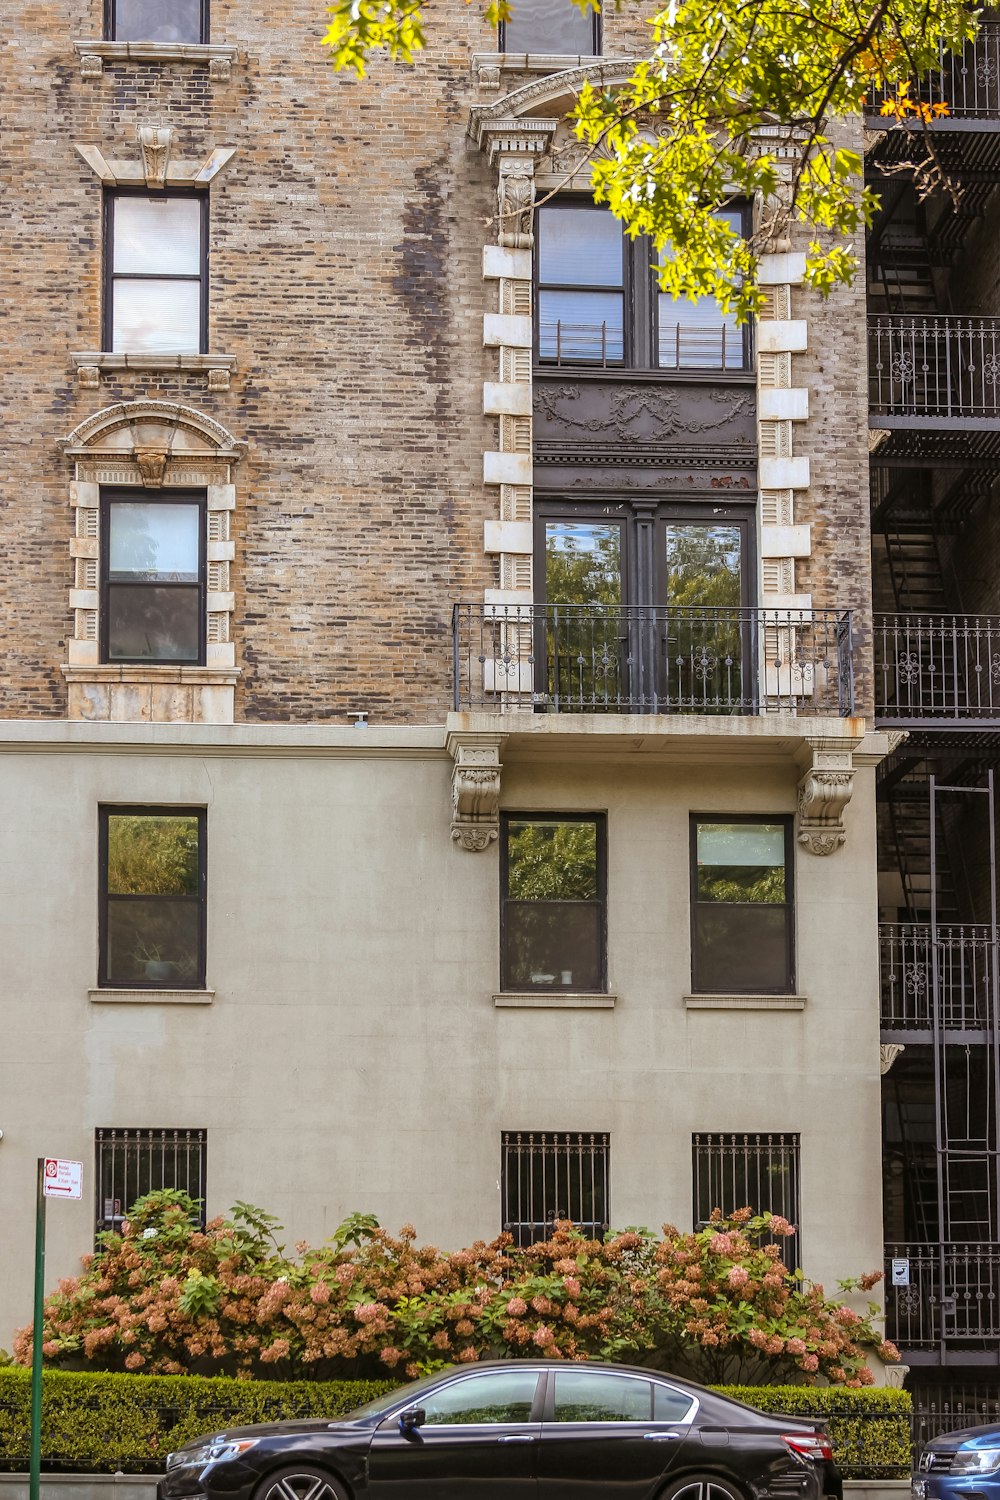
(609, 1435)
(479, 1436)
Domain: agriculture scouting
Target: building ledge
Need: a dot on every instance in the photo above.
(533, 62)
(539, 1000)
(91, 364)
(217, 57)
(745, 1002)
(137, 672)
(150, 997)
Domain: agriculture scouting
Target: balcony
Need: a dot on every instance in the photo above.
(952, 1297)
(617, 659)
(941, 670)
(969, 83)
(964, 962)
(933, 369)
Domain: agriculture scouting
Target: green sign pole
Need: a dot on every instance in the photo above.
(36, 1341)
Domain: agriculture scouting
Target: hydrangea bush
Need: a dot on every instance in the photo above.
(165, 1296)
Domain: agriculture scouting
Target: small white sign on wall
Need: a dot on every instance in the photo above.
(900, 1272)
(62, 1179)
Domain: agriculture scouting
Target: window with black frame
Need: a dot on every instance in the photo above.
(558, 27)
(153, 21)
(732, 1170)
(133, 1162)
(156, 272)
(553, 900)
(741, 901)
(547, 1175)
(152, 898)
(599, 302)
(153, 577)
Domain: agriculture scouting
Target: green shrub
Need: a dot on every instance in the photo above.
(104, 1422)
(869, 1429)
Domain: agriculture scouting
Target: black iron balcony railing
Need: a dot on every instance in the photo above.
(681, 345)
(968, 82)
(934, 368)
(951, 1295)
(938, 667)
(609, 658)
(964, 959)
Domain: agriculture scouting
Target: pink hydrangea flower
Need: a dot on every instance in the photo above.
(738, 1276)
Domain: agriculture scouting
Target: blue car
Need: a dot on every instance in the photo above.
(962, 1465)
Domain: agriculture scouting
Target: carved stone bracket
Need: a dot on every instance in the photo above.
(887, 1054)
(895, 1376)
(154, 143)
(475, 789)
(824, 792)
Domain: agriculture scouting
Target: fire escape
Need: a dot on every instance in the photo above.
(934, 401)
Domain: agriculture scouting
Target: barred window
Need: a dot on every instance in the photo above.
(131, 1163)
(546, 1176)
(749, 1171)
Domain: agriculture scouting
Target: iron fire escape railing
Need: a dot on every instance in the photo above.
(965, 956)
(939, 667)
(609, 658)
(968, 82)
(952, 1295)
(934, 368)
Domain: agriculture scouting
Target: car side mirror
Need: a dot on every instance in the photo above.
(411, 1418)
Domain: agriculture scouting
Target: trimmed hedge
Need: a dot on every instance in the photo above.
(100, 1423)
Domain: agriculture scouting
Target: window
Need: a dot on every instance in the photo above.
(131, 1163)
(156, 273)
(153, 578)
(741, 905)
(594, 1396)
(152, 882)
(505, 1397)
(553, 26)
(748, 1171)
(599, 302)
(547, 1176)
(553, 897)
(152, 21)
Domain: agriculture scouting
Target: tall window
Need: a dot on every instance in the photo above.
(131, 1163)
(553, 898)
(152, 908)
(556, 26)
(156, 272)
(748, 1171)
(546, 1176)
(153, 578)
(741, 904)
(152, 21)
(599, 302)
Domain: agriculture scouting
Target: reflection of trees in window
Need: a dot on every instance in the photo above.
(582, 563)
(742, 913)
(153, 897)
(553, 903)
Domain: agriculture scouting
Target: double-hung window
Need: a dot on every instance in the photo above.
(741, 901)
(156, 257)
(153, 578)
(551, 26)
(553, 883)
(599, 302)
(132, 1163)
(152, 897)
(154, 21)
(547, 1175)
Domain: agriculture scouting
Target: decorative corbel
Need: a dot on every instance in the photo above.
(152, 461)
(824, 792)
(155, 142)
(475, 789)
(887, 1054)
(516, 202)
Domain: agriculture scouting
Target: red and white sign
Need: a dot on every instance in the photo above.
(62, 1179)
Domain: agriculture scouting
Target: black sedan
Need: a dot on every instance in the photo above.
(519, 1430)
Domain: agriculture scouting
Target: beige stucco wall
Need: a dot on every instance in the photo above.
(352, 1058)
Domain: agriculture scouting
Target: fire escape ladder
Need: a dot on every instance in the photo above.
(920, 1177)
(916, 568)
(908, 803)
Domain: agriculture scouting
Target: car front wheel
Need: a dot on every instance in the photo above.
(701, 1487)
(300, 1482)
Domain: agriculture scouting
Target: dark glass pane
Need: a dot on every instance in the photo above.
(152, 855)
(549, 26)
(552, 945)
(507, 1397)
(741, 862)
(155, 21)
(147, 622)
(741, 948)
(586, 1396)
(669, 1405)
(579, 247)
(552, 861)
(585, 326)
(552, 1176)
(155, 542)
(582, 563)
(153, 941)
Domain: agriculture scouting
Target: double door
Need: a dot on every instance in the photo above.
(644, 608)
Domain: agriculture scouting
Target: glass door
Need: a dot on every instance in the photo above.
(707, 634)
(581, 634)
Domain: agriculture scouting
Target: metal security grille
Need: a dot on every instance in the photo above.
(131, 1163)
(748, 1171)
(546, 1176)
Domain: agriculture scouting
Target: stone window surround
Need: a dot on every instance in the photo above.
(150, 444)
(217, 57)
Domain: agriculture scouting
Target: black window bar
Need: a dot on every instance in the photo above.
(547, 1175)
(760, 1172)
(133, 1162)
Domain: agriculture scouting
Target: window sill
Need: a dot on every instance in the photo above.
(151, 997)
(539, 1000)
(613, 373)
(745, 1002)
(90, 363)
(217, 57)
(535, 62)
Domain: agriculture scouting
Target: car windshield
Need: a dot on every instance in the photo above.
(404, 1395)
